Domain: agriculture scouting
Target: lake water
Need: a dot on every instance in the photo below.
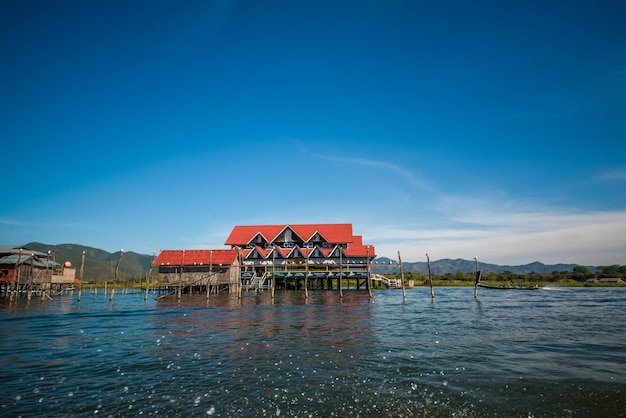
(551, 352)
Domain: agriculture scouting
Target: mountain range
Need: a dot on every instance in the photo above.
(385, 265)
(100, 264)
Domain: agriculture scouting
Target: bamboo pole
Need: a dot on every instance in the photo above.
(117, 268)
(16, 278)
(368, 284)
(43, 293)
(340, 272)
(273, 271)
(240, 256)
(208, 280)
(30, 279)
(306, 278)
(82, 269)
(148, 276)
(477, 278)
(401, 276)
(180, 277)
(430, 279)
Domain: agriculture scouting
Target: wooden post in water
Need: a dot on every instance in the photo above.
(273, 270)
(402, 276)
(117, 268)
(180, 277)
(43, 293)
(340, 272)
(148, 276)
(477, 278)
(30, 278)
(240, 256)
(208, 280)
(16, 278)
(430, 279)
(368, 284)
(306, 278)
(82, 270)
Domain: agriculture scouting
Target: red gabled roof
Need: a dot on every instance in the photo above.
(195, 257)
(264, 252)
(334, 233)
(360, 251)
(284, 251)
(242, 235)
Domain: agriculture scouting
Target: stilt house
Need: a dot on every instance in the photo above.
(194, 270)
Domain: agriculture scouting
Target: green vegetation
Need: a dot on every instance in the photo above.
(604, 276)
(99, 264)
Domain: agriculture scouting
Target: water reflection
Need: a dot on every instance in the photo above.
(544, 353)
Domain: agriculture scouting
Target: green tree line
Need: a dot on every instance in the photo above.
(579, 275)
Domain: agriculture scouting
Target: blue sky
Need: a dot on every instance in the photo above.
(455, 128)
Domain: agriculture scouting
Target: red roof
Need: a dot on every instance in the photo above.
(334, 233)
(195, 257)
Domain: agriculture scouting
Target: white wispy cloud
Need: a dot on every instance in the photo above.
(513, 238)
(6, 221)
(618, 173)
(413, 178)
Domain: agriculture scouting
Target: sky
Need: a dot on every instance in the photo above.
(460, 129)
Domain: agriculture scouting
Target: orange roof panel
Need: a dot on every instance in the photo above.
(334, 233)
(195, 257)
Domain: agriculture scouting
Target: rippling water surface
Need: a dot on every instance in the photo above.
(552, 352)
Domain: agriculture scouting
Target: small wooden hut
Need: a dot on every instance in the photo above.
(192, 271)
(25, 270)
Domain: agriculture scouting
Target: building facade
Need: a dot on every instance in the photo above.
(272, 256)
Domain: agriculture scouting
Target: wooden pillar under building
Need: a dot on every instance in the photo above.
(82, 270)
(180, 277)
(29, 289)
(43, 293)
(340, 272)
(368, 284)
(273, 271)
(208, 280)
(16, 278)
(239, 285)
(306, 278)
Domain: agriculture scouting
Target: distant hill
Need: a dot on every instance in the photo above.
(99, 264)
(384, 265)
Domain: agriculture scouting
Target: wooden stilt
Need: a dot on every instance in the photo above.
(477, 278)
(240, 269)
(43, 293)
(117, 268)
(401, 276)
(180, 277)
(148, 276)
(368, 284)
(430, 279)
(208, 280)
(82, 269)
(306, 278)
(273, 271)
(29, 289)
(340, 273)
(16, 278)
